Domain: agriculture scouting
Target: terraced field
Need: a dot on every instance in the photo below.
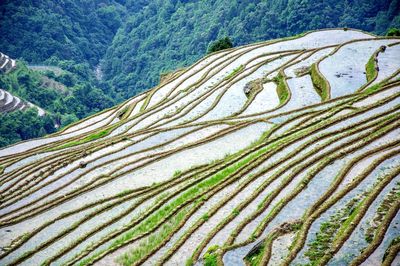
(6, 63)
(10, 103)
(285, 152)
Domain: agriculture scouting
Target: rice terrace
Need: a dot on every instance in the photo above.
(283, 152)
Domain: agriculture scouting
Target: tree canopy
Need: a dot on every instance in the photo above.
(219, 45)
(393, 32)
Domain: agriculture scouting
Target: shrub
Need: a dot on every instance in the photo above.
(393, 32)
(210, 257)
(205, 217)
(219, 45)
(234, 72)
(177, 173)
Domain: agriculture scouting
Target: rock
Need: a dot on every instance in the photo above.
(255, 248)
(82, 164)
(247, 89)
(301, 71)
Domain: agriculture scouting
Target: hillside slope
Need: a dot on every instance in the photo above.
(165, 35)
(6, 63)
(10, 103)
(292, 142)
(132, 37)
(80, 31)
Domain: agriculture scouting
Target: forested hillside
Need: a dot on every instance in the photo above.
(66, 95)
(170, 34)
(78, 30)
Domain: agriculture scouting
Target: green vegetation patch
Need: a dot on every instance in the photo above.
(329, 229)
(234, 72)
(218, 45)
(383, 209)
(281, 88)
(255, 257)
(321, 85)
(211, 257)
(89, 138)
(154, 240)
(177, 173)
(393, 32)
(370, 68)
(373, 88)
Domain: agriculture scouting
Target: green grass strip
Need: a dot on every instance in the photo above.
(370, 68)
(89, 138)
(320, 83)
(210, 258)
(154, 240)
(282, 88)
(234, 72)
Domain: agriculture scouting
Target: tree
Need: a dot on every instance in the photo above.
(66, 79)
(221, 44)
(68, 119)
(22, 125)
(393, 32)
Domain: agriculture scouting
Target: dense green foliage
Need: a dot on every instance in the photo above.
(66, 29)
(393, 32)
(168, 34)
(79, 99)
(76, 100)
(210, 257)
(22, 125)
(219, 45)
